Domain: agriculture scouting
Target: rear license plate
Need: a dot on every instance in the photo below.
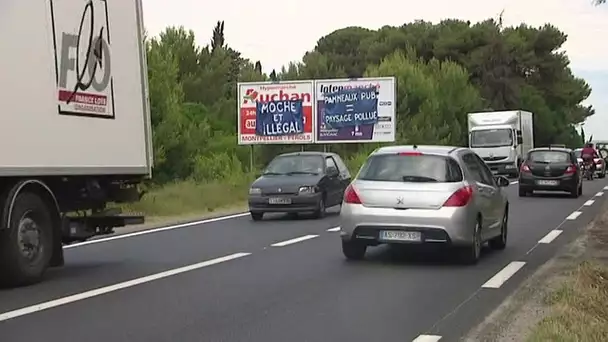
(547, 182)
(398, 235)
(279, 200)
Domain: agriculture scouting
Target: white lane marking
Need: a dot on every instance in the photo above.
(600, 194)
(156, 230)
(296, 240)
(427, 338)
(574, 215)
(107, 289)
(552, 235)
(606, 187)
(589, 203)
(503, 275)
(334, 229)
(514, 182)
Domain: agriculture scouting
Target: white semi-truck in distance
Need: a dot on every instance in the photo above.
(75, 130)
(501, 139)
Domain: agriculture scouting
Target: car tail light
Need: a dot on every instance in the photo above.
(524, 168)
(460, 198)
(570, 170)
(599, 161)
(351, 196)
(409, 154)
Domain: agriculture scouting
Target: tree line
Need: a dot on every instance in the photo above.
(443, 71)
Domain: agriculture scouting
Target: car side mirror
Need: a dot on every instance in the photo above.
(502, 181)
(332, 171)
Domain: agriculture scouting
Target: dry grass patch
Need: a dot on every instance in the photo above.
(578, 309)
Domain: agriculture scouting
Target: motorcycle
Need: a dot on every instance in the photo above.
(588, 172)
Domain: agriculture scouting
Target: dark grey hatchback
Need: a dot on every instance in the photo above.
(299, 182)
(550, 169)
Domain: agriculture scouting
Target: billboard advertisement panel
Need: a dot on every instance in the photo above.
(355, 111)
(276, 113)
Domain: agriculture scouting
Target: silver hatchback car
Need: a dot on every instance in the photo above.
(424, 194)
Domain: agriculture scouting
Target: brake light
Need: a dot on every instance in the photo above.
(570, 170)
(524, 168)
(460, 198)
(409, 154)
(351, 196)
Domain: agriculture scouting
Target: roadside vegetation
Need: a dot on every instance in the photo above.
(577, 310)
(443, 71)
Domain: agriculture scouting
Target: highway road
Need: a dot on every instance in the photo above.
(282, 280)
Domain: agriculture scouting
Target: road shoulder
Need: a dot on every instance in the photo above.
(555, 302)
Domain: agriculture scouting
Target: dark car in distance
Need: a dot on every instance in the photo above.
(299, 182)
(550, 169)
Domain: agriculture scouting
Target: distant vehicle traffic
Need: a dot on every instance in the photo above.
(550, 169)
(424, 194)
(600, 164)
(501, 139)
(299, 182)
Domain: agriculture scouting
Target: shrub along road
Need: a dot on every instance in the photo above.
(281, 280)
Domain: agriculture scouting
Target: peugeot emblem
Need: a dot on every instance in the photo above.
(399, 200)
(491, 155)
(280, 190)
(547, 167)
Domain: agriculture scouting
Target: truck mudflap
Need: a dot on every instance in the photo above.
(82, 228)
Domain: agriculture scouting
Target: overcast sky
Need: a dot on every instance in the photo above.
(278, 31)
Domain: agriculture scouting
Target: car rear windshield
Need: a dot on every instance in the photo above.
(404, 168)
(549, 157)
(577, 153)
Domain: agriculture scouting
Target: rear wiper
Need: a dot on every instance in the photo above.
(542, 162)
(301, 173)
(418, 179)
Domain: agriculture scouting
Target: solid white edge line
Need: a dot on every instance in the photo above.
(503, 275)
(427, 338)
(334, 229)
(574, 215)
(589, 203)
(156, 230)
(111, 288)
(600, 194)
(552, 235)
(292, 241)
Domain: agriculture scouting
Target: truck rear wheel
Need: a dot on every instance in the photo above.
(26, 245)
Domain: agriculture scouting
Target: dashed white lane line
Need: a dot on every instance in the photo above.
(514, 182)
(334, 229)
(427, 338)
(156, 230)
(107, 289)
(574, 215)
(599, 194)
(552, 235)
(296, 240)
(589, 203)
(503, 275)
(606, 187)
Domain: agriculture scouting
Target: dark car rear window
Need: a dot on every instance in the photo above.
(404, 168)
(295, 163)
(549, 157)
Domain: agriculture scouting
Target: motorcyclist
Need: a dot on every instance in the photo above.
(588, 154)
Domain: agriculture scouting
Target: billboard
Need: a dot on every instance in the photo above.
(276, 113)
(355, 111)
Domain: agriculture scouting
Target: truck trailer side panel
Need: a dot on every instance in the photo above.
(73, 89)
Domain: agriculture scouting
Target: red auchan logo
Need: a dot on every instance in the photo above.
(252, 95)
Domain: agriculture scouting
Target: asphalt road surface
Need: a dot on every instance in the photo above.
(282, 280)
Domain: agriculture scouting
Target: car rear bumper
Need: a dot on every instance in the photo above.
(564, 183)
(299, 203)
(446, 225)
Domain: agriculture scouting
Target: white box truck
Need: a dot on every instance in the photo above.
(501, 139)
(75, 130)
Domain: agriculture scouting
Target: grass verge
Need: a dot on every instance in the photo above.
(578, 310)
(188, 198)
